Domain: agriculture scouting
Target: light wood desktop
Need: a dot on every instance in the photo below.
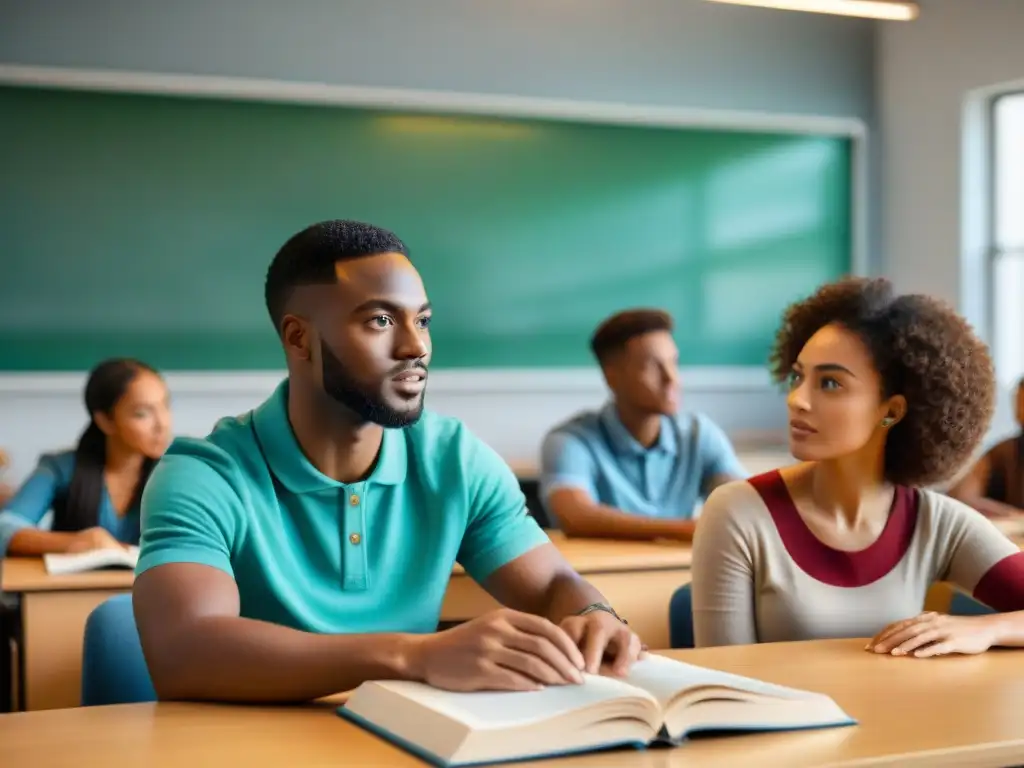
(958, 711)
(637, 577)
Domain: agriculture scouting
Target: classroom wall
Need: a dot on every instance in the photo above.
(683, 53)
(931, 77)
(670, 52)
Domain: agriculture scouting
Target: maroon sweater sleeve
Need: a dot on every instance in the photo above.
(1002, 586)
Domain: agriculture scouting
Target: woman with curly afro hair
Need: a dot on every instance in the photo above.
(887, 395)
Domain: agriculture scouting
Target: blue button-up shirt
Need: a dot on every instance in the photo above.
(594, 452)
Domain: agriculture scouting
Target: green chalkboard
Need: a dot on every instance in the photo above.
(144, 225)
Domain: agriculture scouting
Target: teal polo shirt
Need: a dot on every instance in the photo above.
(317, 555)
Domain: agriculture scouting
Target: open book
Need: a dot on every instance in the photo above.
(661, 701)
(93, 560)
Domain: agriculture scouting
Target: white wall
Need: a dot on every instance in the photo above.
(511, 412)
(933, 76)
(685, 53)
(668, 52)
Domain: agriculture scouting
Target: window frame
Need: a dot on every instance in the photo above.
(1007, 371)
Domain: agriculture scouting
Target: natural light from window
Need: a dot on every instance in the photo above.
(1008, 236)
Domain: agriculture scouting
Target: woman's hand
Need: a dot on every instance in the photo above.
(936, 634)
(92, 538)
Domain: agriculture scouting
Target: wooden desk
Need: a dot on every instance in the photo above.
(958, 711)
(53, 614)
(1013, 527)
(638, 578)
(525, 469)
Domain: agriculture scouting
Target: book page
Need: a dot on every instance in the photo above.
(665, 678)
(486, 710)
(93, 559)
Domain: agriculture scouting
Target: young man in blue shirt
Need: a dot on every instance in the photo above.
(305, 547)
(637, 468)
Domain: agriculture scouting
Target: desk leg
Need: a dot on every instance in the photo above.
(52, 629)
(15, 676)
(642, 597)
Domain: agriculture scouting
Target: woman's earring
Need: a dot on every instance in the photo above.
(888, 421)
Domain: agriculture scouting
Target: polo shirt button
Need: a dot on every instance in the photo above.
(353, 500)
(355, 538)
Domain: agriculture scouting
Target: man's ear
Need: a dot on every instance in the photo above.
(610, 374)
(297, 337)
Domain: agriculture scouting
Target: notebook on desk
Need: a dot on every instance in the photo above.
(662, 701)
(94, 560)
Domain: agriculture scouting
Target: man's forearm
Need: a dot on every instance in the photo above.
(568, 594)
(235, 659)
(603, 522)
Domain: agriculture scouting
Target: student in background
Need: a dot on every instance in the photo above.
(887, 394)
(5, 490)
(95, 490)
(995, 484)
(637, 468)
(307, 546)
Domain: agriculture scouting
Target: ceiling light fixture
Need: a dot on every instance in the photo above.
(889, 10)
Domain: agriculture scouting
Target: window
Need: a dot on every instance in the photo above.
(1008, 235)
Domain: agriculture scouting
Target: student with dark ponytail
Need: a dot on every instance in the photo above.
(95, 489)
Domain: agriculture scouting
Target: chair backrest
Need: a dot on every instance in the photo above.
(113, 668)
(531, 490)
(680, 618)
(965, 605)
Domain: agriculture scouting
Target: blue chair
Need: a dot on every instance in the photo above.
(965, 605)
(113, 668)
(680, 618)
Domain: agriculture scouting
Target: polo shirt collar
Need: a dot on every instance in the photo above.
(291, 467)
(623, 443)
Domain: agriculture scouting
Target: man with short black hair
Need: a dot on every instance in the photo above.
(636, 469)
(306, 547)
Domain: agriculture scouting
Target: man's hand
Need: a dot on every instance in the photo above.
(604, 640)
(935, 634)
(504, 650)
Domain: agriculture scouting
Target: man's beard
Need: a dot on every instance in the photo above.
(340, 386)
